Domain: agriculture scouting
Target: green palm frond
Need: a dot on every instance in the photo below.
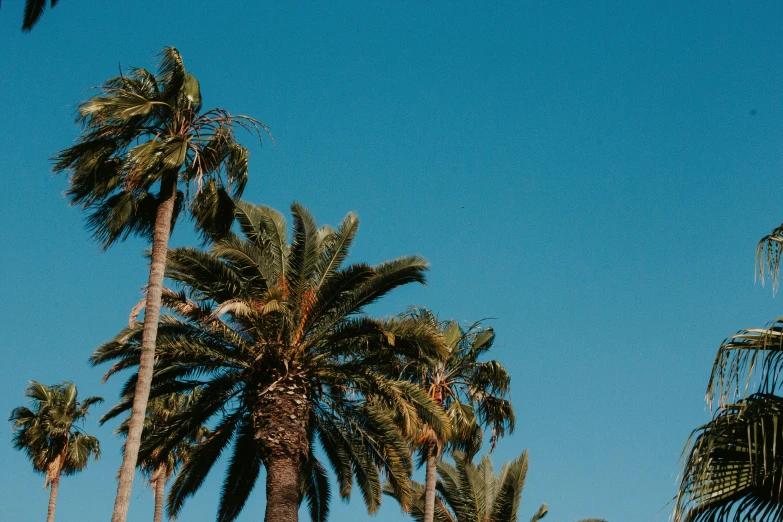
(733, 470)
(749, 354)
(768, 254)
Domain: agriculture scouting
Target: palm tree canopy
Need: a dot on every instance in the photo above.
(159, 411)
(141, 129)
(473, 393)
(48, 431)
(261, 321)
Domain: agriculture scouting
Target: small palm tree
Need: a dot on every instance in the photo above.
(472, 393)
(159, 464)
(275, 335)
(473, 493)
(49, 435)
(143, 137)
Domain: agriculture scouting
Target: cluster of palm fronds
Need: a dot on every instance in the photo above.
(733, 468)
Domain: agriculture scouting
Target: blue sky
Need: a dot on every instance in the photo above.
(594, 176)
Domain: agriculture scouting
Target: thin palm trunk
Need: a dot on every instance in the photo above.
(160, 243)
(431, 479)
(159, 487)
(54, 485)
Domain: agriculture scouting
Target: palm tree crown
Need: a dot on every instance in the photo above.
(49, 435)
(276, 336)
(142, 134)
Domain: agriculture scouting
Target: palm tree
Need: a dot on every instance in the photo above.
(275, 335)
(159, 464)
(49, 435)
(472, 393)
(143, 135)
(473, 493)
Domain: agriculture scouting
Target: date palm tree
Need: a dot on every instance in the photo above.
(49, 435)
(275, 335)
(473, 493)
(159, 464)
(143, 136)
(472, 393)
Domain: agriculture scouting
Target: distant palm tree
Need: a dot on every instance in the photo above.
(160, 463)
(276, 336)
(143, 136)
(473, 493)
(48, 434)
(472, 393)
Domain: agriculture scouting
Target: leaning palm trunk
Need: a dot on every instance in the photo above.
(280, 425)
(54, 486)
(160, 243)
(431, 480)
(159, 488)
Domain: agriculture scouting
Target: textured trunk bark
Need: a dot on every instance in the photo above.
(160, 243)
(280, 421)
(282, 489)
(159, 488)
(431, 479)
(54, 486)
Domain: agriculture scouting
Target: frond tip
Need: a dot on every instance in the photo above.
(768, 255)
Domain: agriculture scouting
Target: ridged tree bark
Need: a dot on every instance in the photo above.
(430, 482)
(159, 489)
(280, 423)
(54, 485)
(160, 243)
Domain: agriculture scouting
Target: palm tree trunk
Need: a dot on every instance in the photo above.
(160, 244)
(54, 485)
(280, 421)
(282, 489)
(431, 479)
(159, 487)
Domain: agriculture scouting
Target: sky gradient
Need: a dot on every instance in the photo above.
(592, 178)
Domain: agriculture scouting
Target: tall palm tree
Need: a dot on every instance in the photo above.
(143, 136)
(49, 435)
(275, 335)
(160, 463)
(473, 493)
(472, 393)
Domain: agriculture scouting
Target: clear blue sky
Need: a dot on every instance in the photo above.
(593, 175)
